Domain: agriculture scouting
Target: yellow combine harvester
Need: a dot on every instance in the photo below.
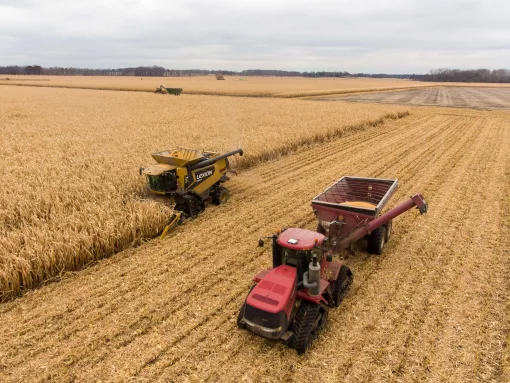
(191, 177)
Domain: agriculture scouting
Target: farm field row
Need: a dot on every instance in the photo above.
(433, 307)
(281, 87)
(232, 85)
(69, 158)
(459, 97)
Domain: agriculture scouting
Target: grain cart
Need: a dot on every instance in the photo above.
(191, 177)
(290, 301)
(350, 209)
(163, 90)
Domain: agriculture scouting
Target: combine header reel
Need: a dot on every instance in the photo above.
(191, 177)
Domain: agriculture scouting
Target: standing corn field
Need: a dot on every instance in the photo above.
(71, 193)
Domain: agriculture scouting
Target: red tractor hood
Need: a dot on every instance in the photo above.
(300, 239)
(275, 290)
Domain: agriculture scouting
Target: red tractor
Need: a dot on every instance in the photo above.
(290, 301)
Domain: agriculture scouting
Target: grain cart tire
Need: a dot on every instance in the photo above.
(320, 229)
(342, 285)
(376, 241)
(220, 195)
(389, 228)
(309, 321)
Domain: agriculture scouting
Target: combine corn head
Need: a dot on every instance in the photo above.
(191, 178)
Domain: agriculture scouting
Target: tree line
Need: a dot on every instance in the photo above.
(470, 75)
(439, 75)
(149, 71)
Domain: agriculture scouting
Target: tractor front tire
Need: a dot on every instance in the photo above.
(220, 196)
(342, 285)
(240, 316)
(310, 319)
(376, 241)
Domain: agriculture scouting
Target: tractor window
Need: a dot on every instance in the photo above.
(297, 259)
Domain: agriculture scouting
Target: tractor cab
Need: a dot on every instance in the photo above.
(296, 247)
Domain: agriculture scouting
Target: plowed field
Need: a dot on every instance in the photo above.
(459, 97)
(433, 307)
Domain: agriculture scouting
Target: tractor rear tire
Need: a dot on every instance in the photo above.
(389, 228)
(220, 196)
(376, 241)
(342, 285)
(310, 319)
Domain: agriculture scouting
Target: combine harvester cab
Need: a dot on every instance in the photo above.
(191, 177)
(290, 301)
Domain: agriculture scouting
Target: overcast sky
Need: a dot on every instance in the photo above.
(391, 36)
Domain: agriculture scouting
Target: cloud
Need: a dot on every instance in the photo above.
(370, 36)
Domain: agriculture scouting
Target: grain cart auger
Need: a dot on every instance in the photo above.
(191, 177)
(290, 301)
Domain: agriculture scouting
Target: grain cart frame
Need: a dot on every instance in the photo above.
(290, 301)
(350, 209)
(191, 177)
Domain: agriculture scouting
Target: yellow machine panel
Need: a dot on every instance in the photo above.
(191, 177)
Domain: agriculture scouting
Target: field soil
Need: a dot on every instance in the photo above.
(434, 307)
(451, 96)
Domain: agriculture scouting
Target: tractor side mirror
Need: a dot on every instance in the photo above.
(140, 171)
(261, 243)
(329, 257)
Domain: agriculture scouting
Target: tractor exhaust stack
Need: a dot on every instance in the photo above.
(312, 278)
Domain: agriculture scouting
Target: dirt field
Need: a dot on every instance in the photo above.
(232, 85)
(459, 97)
(434, 307)
(70, 192)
